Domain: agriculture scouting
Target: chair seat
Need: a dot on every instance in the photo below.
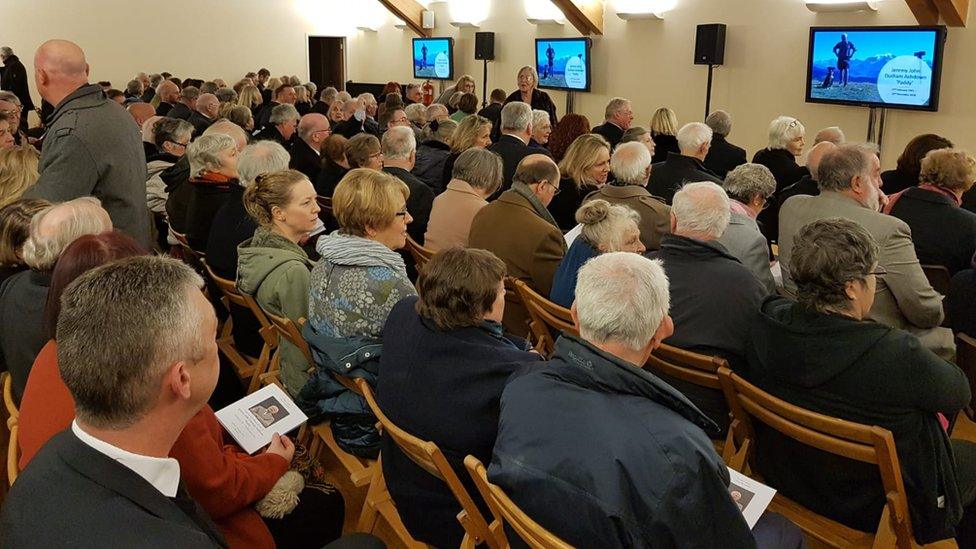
(824, 530)
(360, 469)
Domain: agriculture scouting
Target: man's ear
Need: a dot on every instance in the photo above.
(674, 222)
(87, 69)
(177, 380)
(572, 312)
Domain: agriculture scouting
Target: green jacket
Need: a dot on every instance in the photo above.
(276, 272)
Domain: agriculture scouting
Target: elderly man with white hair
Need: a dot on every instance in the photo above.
(694, 141)
(750, 188)
(617, 119)
(437, 111)
(22, 295)
(399, 156)
(595, 432)
(713, 295)
(833, 134)
(631, 166)
(723, 156)
(513, 145)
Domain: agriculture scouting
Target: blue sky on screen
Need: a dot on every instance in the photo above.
(873, 43)
(562, 49)
(434, 47)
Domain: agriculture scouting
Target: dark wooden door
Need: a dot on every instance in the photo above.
(327, 61)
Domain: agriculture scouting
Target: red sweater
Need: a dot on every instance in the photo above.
(225, 481)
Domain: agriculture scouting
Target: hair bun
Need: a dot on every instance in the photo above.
(593, 212)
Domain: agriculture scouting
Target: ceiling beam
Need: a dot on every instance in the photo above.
(954, 12)
(411, 12)
(585, 15)
(925, 11)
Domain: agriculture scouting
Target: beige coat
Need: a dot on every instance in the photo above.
(654, 213)
(530, 246)
(451, 216)
(904, 298)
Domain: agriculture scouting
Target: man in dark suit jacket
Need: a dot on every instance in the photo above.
(15, 80)
(667, 177)
(306, 148)
(619, 116)
(187, 104)
(513, 145)
(723, 156)
(493, 112)
(107, 480)
(284, 95)
(205, 114)
(281, 126)
(399, 156)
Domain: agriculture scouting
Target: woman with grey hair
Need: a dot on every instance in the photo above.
(527, 92)
(476, 175)
(606, 228)
(823, 354)
(213, 170)
(641, 135)
(750, 187)
(171, 137)
(541, 129)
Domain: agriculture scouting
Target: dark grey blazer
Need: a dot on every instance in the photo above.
(72, 495)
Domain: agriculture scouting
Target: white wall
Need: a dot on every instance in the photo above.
(648, 61)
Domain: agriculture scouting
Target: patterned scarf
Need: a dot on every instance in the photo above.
(357, 251)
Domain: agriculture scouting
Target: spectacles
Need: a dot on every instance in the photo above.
(402, 213)
(376, 155)
(320, 131)
(184, 145)
(794, 123)
(879, 271)
(555, 190)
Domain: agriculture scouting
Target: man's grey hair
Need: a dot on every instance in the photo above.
(701, 208)
(283, 113)
(203, 153)
(344, 96)
(134, 88)
(55, 227)
(832, 134)
(311, 87)
(329, 95)
(827, 254)
(6, 51)
(172, 130)
(399, 143)
(748, 181)
(10, 96)
(436, 108)
(226, 95)
(155, 80)
(621, 297)
(629, 163)
(540, 118)
(416, 113)
(720, 122)
(121, 326)
(190, 92)
(516, 116)
(259, 158)
(615, 105)
(208, 87)
(784, 129)
(838, 167)
(692, 136)
(480, 168)
(366, 98)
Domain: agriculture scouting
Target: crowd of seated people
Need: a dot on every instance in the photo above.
(306, 199)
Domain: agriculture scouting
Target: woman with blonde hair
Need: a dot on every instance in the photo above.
(605, 228)
(584, 169)
(302, 104)
(472, 132)
(353, 288)
(527, 92)
(464, 84)
(250, 97)
(664, 130)
(271, 265)
(18, 171)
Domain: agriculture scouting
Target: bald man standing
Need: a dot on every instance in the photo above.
(91, 147)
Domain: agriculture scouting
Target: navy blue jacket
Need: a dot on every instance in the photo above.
(445, 387)
(604, 454)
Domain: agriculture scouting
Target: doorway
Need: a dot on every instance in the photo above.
(327, 61)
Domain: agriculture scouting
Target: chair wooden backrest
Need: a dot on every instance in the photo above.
(867, 444)
(292, 333)
(504, 509)
(966, 360)
(545, 317)
(939, 277)
(419, 254)
(687, 366)
(429, 457)
(13, 419)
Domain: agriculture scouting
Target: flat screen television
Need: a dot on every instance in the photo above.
(890, 67)
(433, 58)
(563, 63)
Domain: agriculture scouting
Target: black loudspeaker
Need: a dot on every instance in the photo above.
(484, 46)
(710, 44)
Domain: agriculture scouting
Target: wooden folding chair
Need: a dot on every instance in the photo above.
(248, 368)
(693, 368)
(360, 469)
(419, 254)
(546, 319)
(864, 443)
(504, 509)
(966, 360)
(13, 418)
(429, 457)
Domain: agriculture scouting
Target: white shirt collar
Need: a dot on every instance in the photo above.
(162, 473)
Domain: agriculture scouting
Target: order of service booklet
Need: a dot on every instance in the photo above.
(253, 419)
(750, 495)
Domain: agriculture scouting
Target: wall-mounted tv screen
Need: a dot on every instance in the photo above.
(433, 58)
(563, 63)
(890, 67)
